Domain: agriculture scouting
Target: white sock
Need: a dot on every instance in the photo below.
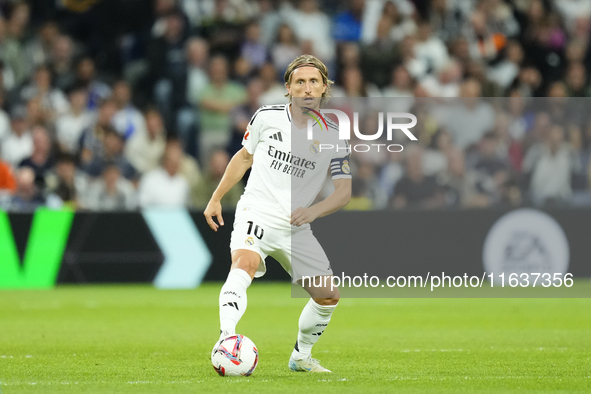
(313, 322)
(233, 300)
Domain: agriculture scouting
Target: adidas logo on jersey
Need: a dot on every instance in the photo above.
(276, 136)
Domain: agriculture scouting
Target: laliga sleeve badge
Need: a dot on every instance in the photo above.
(315, 147)
(249, 241)
(345, 167)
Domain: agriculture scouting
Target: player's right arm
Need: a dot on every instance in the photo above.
(236, 169)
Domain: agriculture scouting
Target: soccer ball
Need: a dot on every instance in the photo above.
(234, 355)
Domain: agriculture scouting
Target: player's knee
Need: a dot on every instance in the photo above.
(327, 301)
(247, 264)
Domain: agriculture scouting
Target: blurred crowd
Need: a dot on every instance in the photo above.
(118, 105)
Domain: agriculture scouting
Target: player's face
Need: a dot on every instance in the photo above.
(306, 87)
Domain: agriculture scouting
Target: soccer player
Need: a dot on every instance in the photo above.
(274, 214)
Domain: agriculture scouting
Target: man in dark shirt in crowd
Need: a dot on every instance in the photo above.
(415, 190)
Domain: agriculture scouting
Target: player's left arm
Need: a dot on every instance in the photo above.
(335, 201)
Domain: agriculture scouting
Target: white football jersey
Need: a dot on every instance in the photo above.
(288, 169)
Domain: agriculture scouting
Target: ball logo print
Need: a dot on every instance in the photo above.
(234, 355)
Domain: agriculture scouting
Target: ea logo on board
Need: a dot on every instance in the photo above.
(526, 241)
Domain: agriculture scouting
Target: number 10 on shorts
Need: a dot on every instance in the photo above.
(258, 231)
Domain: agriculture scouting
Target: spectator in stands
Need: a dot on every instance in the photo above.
(504, 72)
(576, 80)
(430, 48)
(196, 80)
(471, 117)
(197, 53)
(354, 85)
(92, 139)
(510, 149)
(13, 52)
(550, 166)
(398, 11)
(380, 56)
(167, 68)
(359, 196)
(217, 100)
(493, 173)
(252, 49)
(189, 168)
(242, 114)
(401, 85)
(415, 190)
(27, 196)
(222, 27)
(39, 48)
(390, 173)
(435, 156)
(217, 163)
(368, 189)
(70, 126)
(445, 82)
(53, 101)
(86, 76)
(273, 91)
(165, 186)
(417, 67)
(347, 24)
(269, 19)
(111, 192)
(311, 24)
(575, 51)
(19, 144)
(128, 120)
(67, 183)
(144, 150)
(464, 187)
(528, 82)
(7, 183)
(476, 69)
(112, 152)
(62, 60)
(485, 44)
(41, 160)
(6, 74)
(448, 19)
(285, 49)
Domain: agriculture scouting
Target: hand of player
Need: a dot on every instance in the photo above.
(302, 216)
(214, 209)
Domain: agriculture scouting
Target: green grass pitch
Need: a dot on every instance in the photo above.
(136, 339)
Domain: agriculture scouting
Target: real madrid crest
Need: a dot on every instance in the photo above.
(249, 241)
(345, 167)
(315, 147)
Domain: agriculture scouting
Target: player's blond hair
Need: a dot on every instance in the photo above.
(305, 60)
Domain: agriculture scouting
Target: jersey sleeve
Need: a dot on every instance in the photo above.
(253, 133)
(340, 167)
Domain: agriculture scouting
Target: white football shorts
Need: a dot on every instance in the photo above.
(295, 248)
